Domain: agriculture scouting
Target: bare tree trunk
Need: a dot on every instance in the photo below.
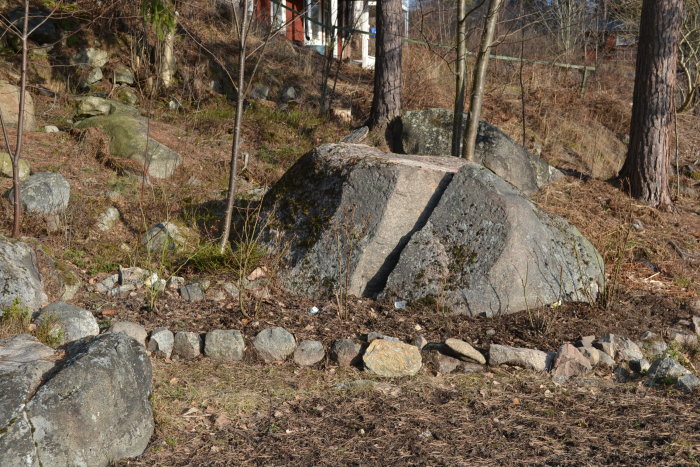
(167, 59)
(386, 103)
(461, 71)
(477, 94)
(15, 156)
(645, 172)
(236, 147)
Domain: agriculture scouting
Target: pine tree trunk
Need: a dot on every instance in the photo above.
(386, 103)
(645, 172)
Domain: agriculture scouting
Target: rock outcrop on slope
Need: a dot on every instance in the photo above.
(352, 218)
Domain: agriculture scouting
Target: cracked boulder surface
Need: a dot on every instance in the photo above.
(90, 409)
(429, 131)
(350, 218)
(344, 212)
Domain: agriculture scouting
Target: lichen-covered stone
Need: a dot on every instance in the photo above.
(392, 359)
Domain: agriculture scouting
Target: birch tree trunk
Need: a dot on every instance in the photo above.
(645, 172)
(243, 28)
(477, 94)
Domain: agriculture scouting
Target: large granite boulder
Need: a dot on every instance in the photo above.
(346, 211)
(19, 276)
(91, 409)
(9, 105)
(430, 132)
(414, 227)
(128, 136)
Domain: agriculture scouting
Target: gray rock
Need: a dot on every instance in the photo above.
(696, 324)
(127, 95)
(108, 219)
(187, 345)
(67, 422)
(666, 368)
(619, 348)
(655, 348)
(93, 76)
(121, 290)
(107, 283)
(18, 350)
(688, 383)
(192, 293)
(260, 92)
(309, 353)
(175, 282)
(215, 294)
(570, 362)
(90, 58)
(44, 193)
(465, 351)
(92, 106)
(684, 338)
(639, 366)
(585, 341)
(9, 106)
(274, 344)
(621, 374)
(227, 345)
(647, 336)
(162, 237)
(23, 364)
(288, 94)
(129, 139)
(133, 330)
(591, 353)
(356, 136)
(441, 363)
(135, 276)
(392, 359)
(420, 342)
(6, 166)
(346, 352)
(67, 322)
(123, 75)
(526, 358)
(605, 359)
(19, 276)
(430, 132)
(498, 252)
(161, 342)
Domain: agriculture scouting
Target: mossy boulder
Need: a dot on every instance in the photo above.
(6, 166)
(128, 136)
